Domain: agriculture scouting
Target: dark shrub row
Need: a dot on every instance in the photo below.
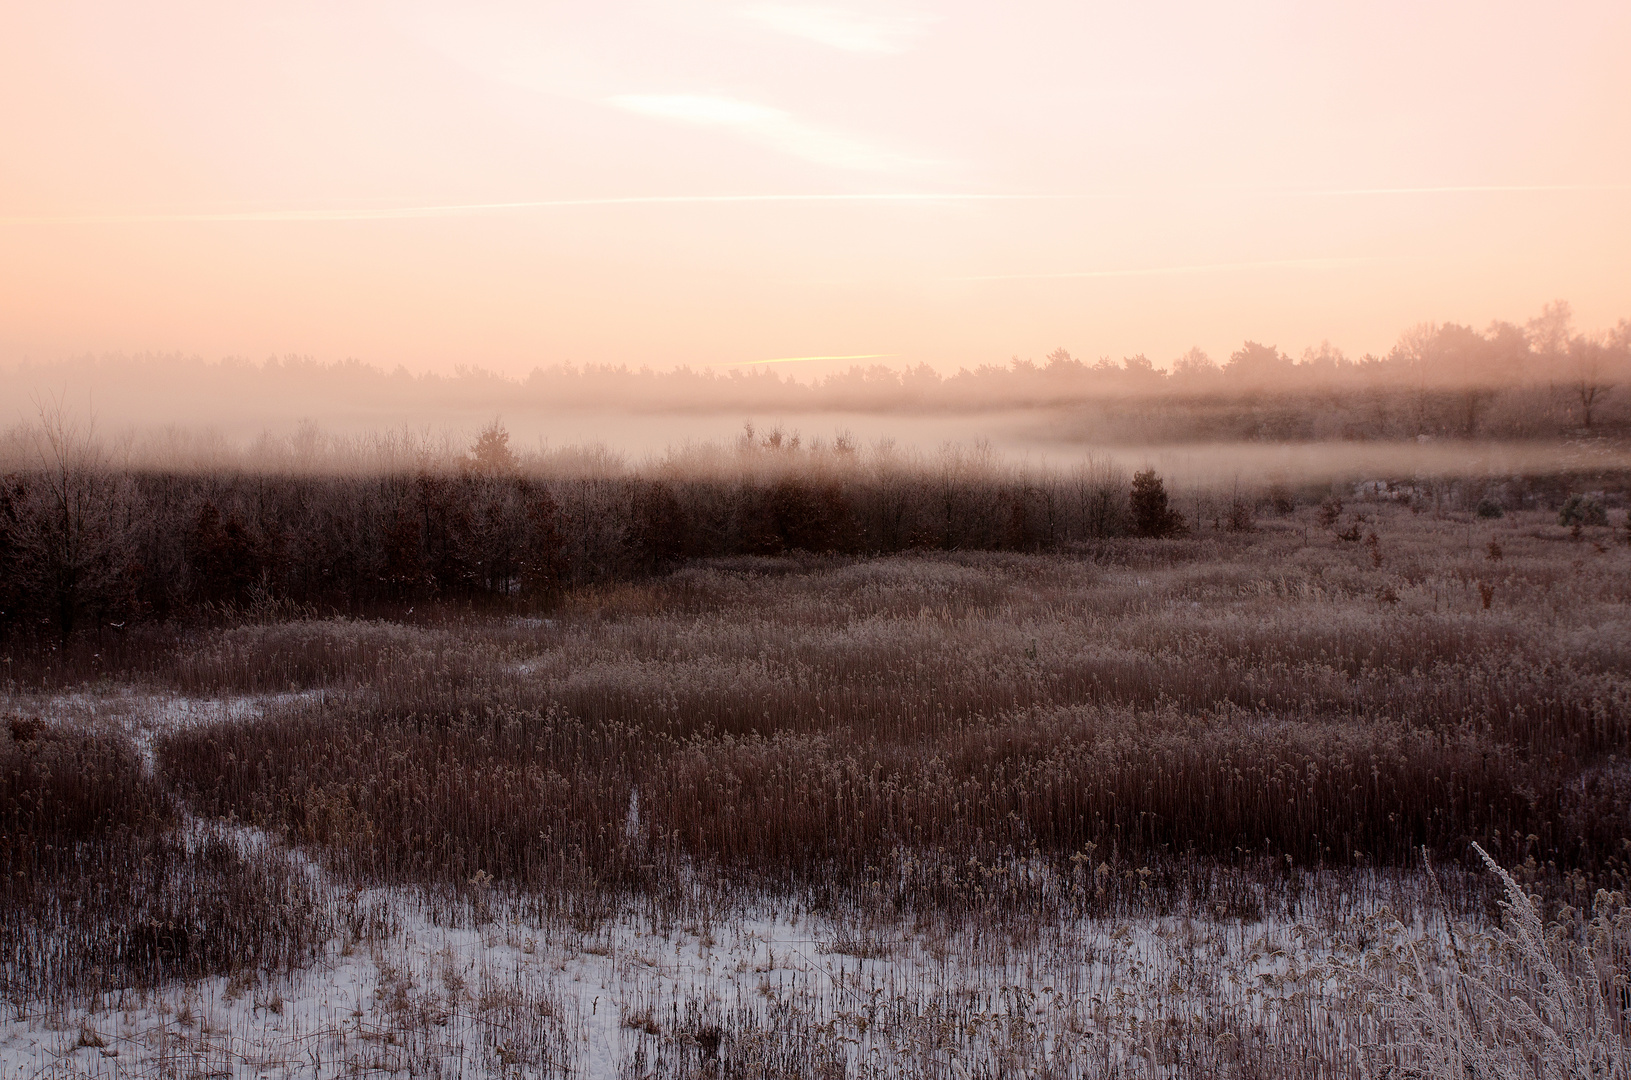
(90, 547)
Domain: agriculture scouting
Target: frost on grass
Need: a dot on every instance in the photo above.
(1148, 810)
(1522, 998)
(472, 983)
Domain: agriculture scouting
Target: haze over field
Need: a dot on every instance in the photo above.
(785, 539)
(679, 182)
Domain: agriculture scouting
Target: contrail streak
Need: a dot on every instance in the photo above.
(1473, 189)
(402, 213)
(1200, 268)
(463, 209)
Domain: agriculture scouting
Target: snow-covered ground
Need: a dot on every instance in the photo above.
(416, 997)
(419, 983)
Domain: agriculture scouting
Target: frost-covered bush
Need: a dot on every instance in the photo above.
(1525, 999)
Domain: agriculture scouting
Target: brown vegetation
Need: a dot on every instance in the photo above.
(101, 889)
(86, 545)
(1240, 699)
(136, 546)
(996, 743)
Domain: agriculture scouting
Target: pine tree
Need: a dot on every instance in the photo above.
(1151, 514)
(491, 454)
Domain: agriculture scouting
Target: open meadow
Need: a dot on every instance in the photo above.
(1109, 806)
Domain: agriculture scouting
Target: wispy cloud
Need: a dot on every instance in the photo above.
(842, 28)
(463, 209)
(1153, 271)
(767, 126)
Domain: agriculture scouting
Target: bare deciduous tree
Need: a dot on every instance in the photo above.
(1590, 385)
(70, 523)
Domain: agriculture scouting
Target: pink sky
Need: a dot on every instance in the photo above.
(677, 181)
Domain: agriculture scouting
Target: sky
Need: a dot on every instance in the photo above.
(706, 182)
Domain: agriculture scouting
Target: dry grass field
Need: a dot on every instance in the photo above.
(1134, 807)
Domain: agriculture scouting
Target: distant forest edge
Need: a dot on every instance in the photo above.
(1534, 380)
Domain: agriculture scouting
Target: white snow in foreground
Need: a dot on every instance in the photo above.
(471, 1001)
(406, 990)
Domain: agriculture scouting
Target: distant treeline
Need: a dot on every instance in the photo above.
(90, 546)
(1537, 379)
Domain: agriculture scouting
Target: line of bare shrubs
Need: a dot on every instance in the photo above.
(101, 889)
(84, 544)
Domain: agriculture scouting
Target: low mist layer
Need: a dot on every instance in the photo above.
(1538, 380)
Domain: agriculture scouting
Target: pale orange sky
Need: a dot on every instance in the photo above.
(256, 179)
